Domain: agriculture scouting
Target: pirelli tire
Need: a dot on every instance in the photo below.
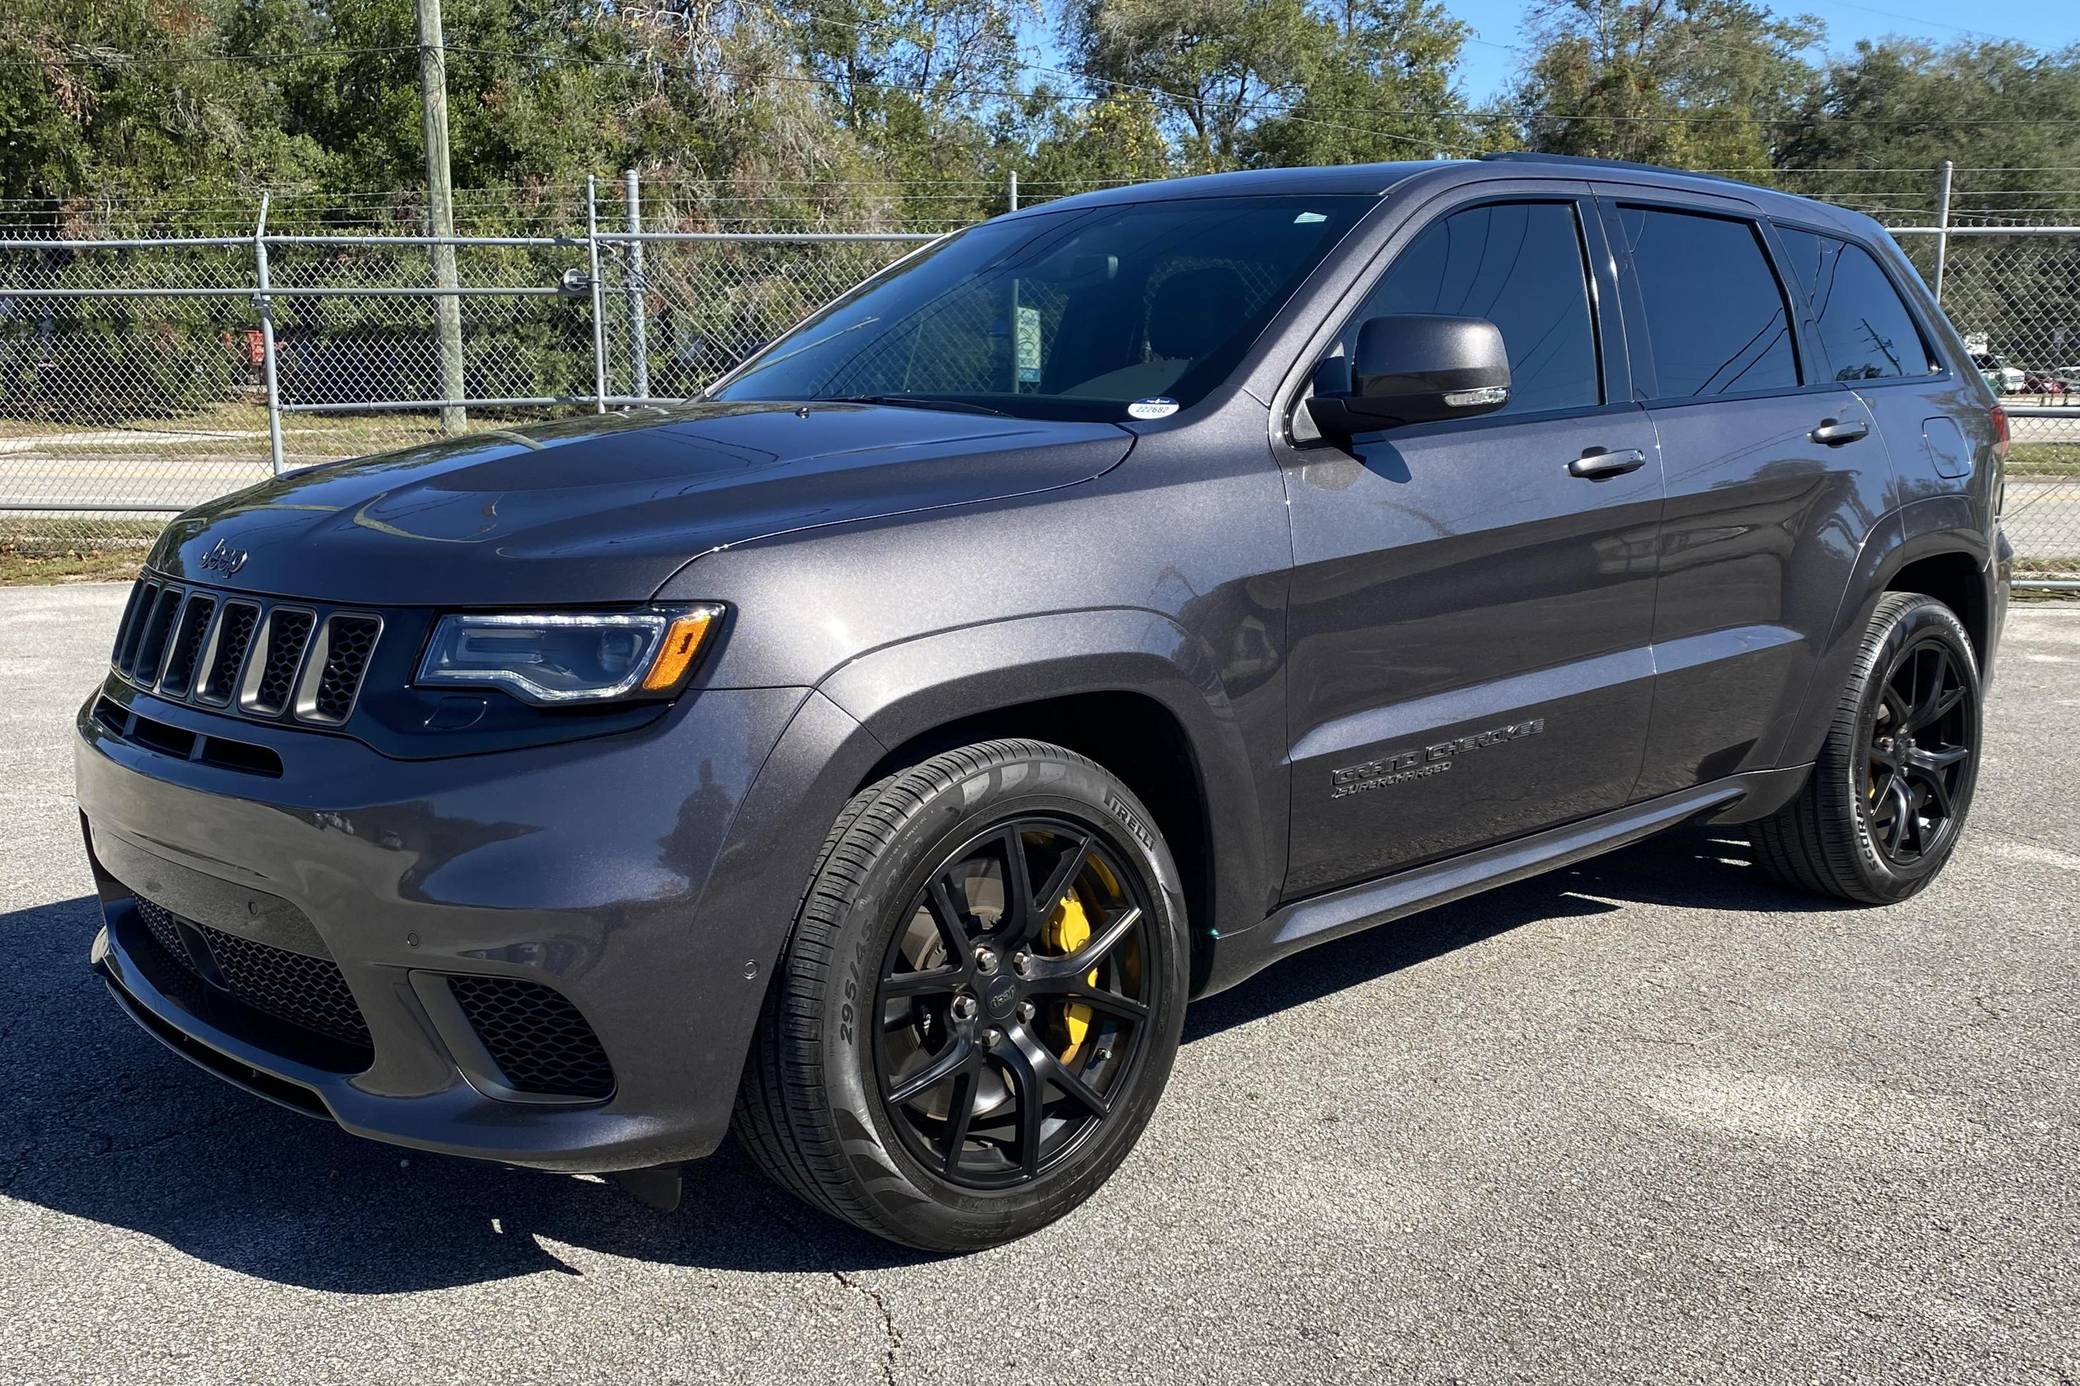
(939, 1063)
(1888, 797)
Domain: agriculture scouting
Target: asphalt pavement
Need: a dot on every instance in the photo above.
(1647, 1119)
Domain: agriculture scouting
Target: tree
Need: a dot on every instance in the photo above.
(118, 101)
(1904, 105)
(1210, 66)
(1692, 83)
(1076, 145)
(1375, 83)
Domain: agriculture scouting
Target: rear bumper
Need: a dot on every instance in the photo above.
(647, 878)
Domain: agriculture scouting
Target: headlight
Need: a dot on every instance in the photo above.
(568, 657)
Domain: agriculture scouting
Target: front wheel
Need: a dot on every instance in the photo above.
(979, 1005)
(1888, 796)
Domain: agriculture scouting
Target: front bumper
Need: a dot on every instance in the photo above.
(648, 878)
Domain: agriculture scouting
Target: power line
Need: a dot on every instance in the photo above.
(1927, 23)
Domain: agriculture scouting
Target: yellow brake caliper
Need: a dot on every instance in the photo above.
(1068, 931)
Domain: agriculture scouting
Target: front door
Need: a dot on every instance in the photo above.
(1472, 602)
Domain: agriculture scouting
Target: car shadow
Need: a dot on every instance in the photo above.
(1709, 868)
(99, 1122)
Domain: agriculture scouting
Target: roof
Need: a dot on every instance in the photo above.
(1366, 180)
(1374, 180)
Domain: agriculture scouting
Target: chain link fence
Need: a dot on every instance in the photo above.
(2013, 292)
(141, 375)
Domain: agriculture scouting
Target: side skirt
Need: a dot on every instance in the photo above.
(1318, 919)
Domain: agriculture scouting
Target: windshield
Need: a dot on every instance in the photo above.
(1130, 311)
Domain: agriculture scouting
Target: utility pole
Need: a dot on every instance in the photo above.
(440, 202)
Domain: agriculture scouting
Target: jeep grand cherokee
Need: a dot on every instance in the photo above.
(875, 755)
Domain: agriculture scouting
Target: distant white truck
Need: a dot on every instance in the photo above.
(2004, 378)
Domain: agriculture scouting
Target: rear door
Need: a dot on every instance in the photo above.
(1869, 340)
(1469, 618)
(1774, 473)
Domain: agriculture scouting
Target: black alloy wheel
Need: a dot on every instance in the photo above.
(1920, 748)
(1011, 1006)
(1887, 797)
(977, 1010)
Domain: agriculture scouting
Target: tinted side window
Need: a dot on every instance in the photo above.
(1520, 266)
(1715, 318)
(1867, 332)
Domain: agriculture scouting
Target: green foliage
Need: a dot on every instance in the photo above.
(785, 110)
(1693, 83)
(1375, 83)
(1216, 63)
(90, 369)
(1898, 104)
(125, 116)
(1116, 138)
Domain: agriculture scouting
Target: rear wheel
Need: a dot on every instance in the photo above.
(980, 1003)
(1889, 794)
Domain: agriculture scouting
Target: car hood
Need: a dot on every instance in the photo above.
(604, 508)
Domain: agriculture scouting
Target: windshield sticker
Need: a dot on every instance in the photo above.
(1157, 407)
(1027, 334)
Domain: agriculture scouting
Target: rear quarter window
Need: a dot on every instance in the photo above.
(1865, 328)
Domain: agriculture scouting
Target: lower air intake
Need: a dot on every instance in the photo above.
(535, 1036)
(304, 991)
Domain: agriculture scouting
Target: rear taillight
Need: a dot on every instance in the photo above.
(1999, 416)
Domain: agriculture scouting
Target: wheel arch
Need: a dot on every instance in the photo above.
(1128, 689)
(1934, 546)
(1957, 580)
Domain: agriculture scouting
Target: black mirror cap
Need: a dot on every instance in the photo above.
(1417, 368)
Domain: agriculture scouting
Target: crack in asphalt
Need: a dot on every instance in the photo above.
(889, 1328)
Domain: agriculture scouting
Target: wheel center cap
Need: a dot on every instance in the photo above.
(1000, 996)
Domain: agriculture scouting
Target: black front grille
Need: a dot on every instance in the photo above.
(349, 641)
(151, 640)
(141, 595)
(269, 661)
(302, 990)
(535, 1035)
(287, 634)
(234, 638)
(187, 643)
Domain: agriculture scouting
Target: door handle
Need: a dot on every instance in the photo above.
(1834, 432)
(1597, 464)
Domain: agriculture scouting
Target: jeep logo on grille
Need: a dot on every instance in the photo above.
(222, 558)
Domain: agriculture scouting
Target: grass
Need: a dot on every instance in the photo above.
(2044, 459)
(68, 548)
(18, 569)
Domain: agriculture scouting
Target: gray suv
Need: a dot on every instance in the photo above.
(874, 756)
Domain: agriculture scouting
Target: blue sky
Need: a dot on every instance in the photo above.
(1488, 64)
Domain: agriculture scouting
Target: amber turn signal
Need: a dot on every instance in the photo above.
(682, 642)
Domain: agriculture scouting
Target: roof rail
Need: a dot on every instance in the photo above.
(1582, 161)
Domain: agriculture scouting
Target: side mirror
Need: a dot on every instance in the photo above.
(1416, 368)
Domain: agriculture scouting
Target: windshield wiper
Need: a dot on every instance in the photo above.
(958, 406)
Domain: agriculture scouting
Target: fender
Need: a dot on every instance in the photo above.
(744, 914)
(1919, 529)
(907, 689)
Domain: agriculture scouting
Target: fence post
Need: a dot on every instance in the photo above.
(263, 300)
(638, 306)
(1942, 227)
(1011, 192)
(599, 321)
